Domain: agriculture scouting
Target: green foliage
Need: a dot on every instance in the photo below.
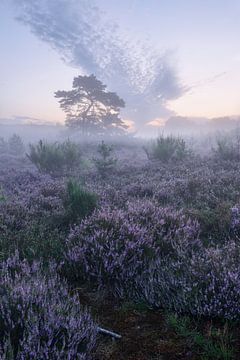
(3, 146)
(106, 162)
(140, 307)
(228, 148)
(211, 227)
(215, 345)
(90, 108)
(2, 197)
(167, 148)
(38, 240)
(15, 145)
(54, 158)
(78, 202)
(8, 350)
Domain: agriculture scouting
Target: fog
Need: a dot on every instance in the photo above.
(120, 219)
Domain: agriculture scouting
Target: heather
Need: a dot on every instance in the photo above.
(119, 225)
(39, 318)
(114, 246)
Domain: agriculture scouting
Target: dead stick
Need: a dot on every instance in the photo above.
(110, 333)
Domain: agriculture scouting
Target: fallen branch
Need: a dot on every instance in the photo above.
(110, 333)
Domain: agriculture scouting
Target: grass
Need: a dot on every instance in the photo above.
(215, 343)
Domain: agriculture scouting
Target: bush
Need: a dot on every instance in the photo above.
(105, 163)
(36, 212)
(3, 146)
(167, 148)
(38, 318)
(114, 247)
(78, 202)
(35, 241)
(54, 158)
(15, 145)
(2, 197)
(206, 283)
(71, 154)
(228, 148)
(215, 222)
(31, 216)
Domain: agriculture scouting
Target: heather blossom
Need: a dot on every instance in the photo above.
(39, 319)
(113, 247)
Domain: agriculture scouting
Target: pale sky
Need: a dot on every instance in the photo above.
(201, 37)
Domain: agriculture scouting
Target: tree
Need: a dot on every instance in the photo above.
(90, 108)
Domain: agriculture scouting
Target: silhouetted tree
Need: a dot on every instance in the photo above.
(90, 108)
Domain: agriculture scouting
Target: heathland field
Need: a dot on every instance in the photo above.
(139, 238)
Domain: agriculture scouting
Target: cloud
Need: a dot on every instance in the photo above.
(85, 38)
(28, 120)
(206, 81)
(156, 123)
(23, 120)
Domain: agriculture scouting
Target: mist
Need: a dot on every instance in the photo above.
(119, 180)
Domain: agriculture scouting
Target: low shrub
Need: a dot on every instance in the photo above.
(227, 149)
(36, 212)
(205, 284)
(105, 162)
(2, 197)
(216, 223)
(54, 158)
(15, 145)
(35, 241)
(167, 148)
(3, 146)
(78, 202)
(114, 247)
(31, 217)
(153, 255)
(39, 319)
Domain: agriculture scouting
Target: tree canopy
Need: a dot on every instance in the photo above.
(90, 108)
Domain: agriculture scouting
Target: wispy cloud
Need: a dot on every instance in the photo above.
(85, 38)
(206, 81)
(23, 120)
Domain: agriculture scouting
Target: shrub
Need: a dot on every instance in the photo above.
(215, 222)
(31, 216)
(3, 146)
(114, 247)
(38, 318)
(2, 197)
(54, 158)
(213, 283)
(35, 241)
(108, 250)
(167, 148)
(105, 162)
(78, 202)
(207, 283)
(228, 148)
(15, 145)
(36, 212)
(71, 154)
(172, 231)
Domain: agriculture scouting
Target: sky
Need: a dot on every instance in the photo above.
(164, 57)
